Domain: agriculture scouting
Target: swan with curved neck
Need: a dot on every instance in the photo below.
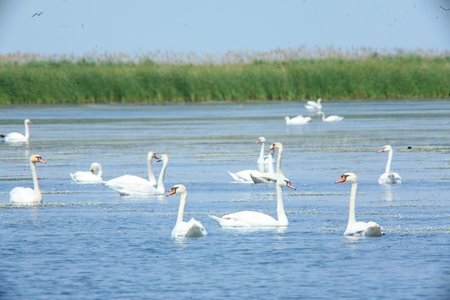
(389, 177)
(253, 219)
(27, 196)
(183, 229)
(18, 137)
(332, 118)
(355, 228)
(130, 185)
(313, 106)
(94, 175)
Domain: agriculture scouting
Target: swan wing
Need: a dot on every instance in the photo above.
(193, 228)
(85, 177)
(15, 137)
(24, 196)
(130, 185)
(246, 219)
(242, 176)
(389, 178)
(363, 228)
(263, 177)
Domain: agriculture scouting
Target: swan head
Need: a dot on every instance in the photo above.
(27, 122)
(95, 167)
(164, 158)
(347, 177)
(284, 182)
(319, 100)
(151, 155)
(37, 158)
(176, 189)
(261, 140)
(385, 148)
(276, 145)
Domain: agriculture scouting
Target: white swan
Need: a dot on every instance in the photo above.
(27, 196)
(129, 185)
(182, 229)
(298, 120)
(94, 175)
(18, 137)
(266, 177)
(357, 228)
(265, 162)
(389, 177)
(332, 118)
(313, 106)
(253, 219)
(246, 176)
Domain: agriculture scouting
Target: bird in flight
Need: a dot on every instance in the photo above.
(37, 14)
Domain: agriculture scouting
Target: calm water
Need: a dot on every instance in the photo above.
(85, 241)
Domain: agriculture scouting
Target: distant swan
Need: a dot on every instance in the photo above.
(389, 177)
(18, 137)
(298, 120)
(182, 229)
(253, 219)
(333, 118)
(93, 176)
(313, 106)
(357, 228)
(27, 196)
(265, 162)
(129, 185)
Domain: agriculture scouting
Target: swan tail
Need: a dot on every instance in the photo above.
(234, 176)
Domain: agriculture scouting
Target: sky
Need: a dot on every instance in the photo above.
(134, 27)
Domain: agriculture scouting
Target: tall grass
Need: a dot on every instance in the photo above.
(107, 81)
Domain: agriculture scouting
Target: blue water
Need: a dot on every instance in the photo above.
(87, 242)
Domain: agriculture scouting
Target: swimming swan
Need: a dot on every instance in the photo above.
(253, 219)
(27, 196)
(357, 228)
(129, 185)
(298, 120)
(182, 229)
(245, 176)
(18, 137)
(313, 106)
(94, 175)
(333, 118)
(389, 177)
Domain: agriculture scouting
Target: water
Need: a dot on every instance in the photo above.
(86, 241)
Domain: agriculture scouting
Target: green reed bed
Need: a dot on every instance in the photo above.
(83, 81)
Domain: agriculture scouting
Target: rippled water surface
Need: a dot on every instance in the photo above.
(87, 242)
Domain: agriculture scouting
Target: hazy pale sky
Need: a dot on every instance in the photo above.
(208, 26)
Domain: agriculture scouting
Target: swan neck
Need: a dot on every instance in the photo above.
(389, 161)
(280, 150)
(27, 131)
(270, 162)
(151, 175)
(181, 208)
(351, 204)
(35, 178)
(281, 214)
(100, 172)
(261, 157)
(162, 174)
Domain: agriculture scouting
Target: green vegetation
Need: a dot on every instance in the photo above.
(107, 81)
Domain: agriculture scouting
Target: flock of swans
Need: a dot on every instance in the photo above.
(130, 185)
(314, 107)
